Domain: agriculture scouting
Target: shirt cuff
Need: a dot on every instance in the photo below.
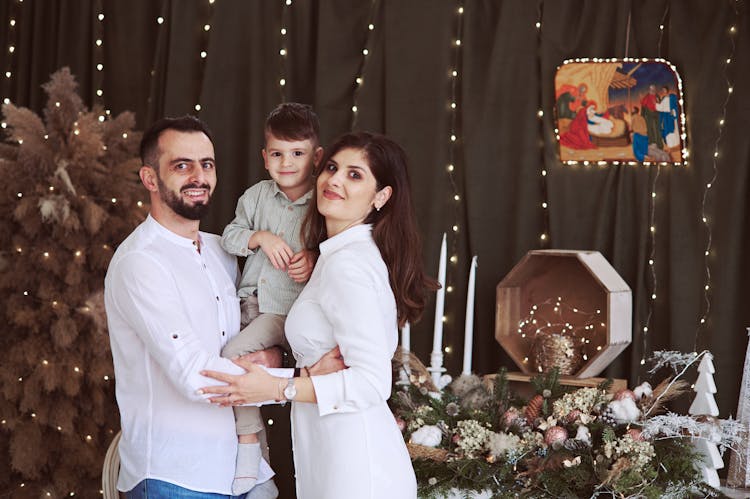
(328, 393)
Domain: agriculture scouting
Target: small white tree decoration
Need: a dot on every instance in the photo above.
(704, 404)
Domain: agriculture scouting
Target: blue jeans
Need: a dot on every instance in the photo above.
(157, 489)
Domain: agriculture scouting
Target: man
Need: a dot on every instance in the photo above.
(171, 306)
(651, 115)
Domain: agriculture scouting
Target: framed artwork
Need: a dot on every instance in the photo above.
(619, 111)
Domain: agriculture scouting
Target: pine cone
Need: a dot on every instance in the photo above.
(533, 408)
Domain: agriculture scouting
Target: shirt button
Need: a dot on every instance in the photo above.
(175, 336)
(335, 408)
(217, 298)
(223, 333)
(290, 208)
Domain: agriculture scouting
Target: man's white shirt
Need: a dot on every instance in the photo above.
(170, 310)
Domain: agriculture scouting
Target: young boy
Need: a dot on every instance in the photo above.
(268, 217)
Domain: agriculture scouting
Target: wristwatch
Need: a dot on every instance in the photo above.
(290, 391)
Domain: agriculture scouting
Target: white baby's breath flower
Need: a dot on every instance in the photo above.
(569, 463)
(473, 437)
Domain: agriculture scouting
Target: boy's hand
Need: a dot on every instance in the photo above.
(301, 266)
(275, 248)
(270, 357)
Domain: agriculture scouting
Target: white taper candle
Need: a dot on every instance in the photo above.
(469, 324)
(436, 358)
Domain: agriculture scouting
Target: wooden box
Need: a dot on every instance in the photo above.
(576, 294)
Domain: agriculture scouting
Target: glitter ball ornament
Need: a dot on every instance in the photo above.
(625, 393)
(555, 436)
(556, 351)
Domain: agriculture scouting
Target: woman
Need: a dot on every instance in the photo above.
(368, 279)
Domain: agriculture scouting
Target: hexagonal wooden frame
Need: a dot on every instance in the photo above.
(585, 279)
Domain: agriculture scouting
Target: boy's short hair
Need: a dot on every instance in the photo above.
(149, 149)
(293, 121)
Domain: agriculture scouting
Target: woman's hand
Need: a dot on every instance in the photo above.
(331, 362)
(252, 387)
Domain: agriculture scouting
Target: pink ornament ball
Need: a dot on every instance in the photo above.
(573, 416)
(401, 424)
(625, 394)
(555, 436)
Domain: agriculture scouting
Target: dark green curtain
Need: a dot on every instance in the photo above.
(505, 68)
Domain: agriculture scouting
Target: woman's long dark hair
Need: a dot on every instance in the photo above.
(394, 227)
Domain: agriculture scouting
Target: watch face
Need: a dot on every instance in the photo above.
(290, 391)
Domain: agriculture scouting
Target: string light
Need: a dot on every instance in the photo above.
(98, 58)
(7, 82)
(705, 218)
(652, 217)
(203, 55)
(453, 107)
(283, 49)
(544, 235)
(360, 77)
(651, 266)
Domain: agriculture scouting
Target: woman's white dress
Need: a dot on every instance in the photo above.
(347, 446)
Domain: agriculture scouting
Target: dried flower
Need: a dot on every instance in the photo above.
(504, 444)
(473, 437)
(464, 384)
(452, 409)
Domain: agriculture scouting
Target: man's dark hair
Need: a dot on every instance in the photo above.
(293, 121)
(150, 142)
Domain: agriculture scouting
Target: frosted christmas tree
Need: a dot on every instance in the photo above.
(704, 404)
(738, 475)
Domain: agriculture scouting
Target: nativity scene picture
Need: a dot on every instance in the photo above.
(619, 110)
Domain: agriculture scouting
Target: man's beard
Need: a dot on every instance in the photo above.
(179, 205)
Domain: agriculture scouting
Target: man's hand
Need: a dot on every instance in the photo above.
(275, 248)
(270, 357)
(301, 266)
(329, 363)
